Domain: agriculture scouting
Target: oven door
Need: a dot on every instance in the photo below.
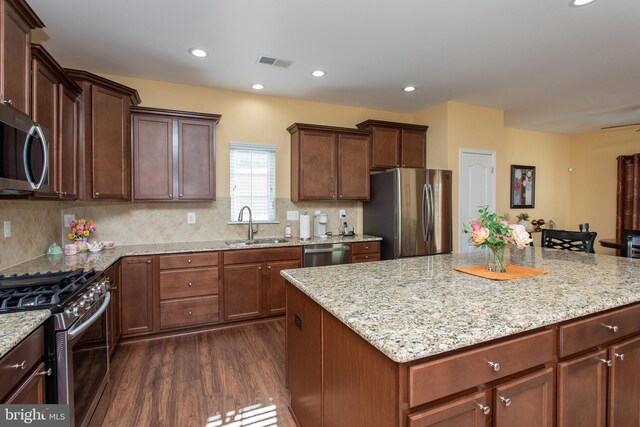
(83, 363)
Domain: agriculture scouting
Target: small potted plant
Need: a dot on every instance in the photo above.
(523, 219)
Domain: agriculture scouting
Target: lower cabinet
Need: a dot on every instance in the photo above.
(624, 383)
(23, 371)
(468, 411)
(32, 389)
(114, 333)
(136, 296)
(365, 252)
(252, 283)
(526, 401)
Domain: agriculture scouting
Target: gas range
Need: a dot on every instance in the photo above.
(67, 294)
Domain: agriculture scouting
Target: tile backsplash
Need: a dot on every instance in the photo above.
(137, 223)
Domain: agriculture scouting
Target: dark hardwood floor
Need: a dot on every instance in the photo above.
(226, 378)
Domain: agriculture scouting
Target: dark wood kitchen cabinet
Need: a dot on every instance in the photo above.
(23, 372)
(104, 146)
(136, 295)
(17, 21)
(252, 284)
(55, 106)
(329, 163)
(173, 155)
(115, 330)
(396, 144)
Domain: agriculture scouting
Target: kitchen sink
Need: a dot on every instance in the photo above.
(265, 241)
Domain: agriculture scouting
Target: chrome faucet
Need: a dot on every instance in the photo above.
(251, 232)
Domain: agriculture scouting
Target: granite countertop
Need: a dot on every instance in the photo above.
(103, 259)
(412, 308)
(14, 327)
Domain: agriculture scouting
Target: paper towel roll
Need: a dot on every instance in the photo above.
(305, 226)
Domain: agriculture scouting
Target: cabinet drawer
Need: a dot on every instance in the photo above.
(188, 312)
(244, 256)
(19, 361)
(365, 247)
(204, 259)
(188, 283)
(440, 378)
(365, 257)
(594, 331)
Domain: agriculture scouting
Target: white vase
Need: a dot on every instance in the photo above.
(525, 223)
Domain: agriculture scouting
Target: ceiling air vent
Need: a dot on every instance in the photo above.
(268, 60)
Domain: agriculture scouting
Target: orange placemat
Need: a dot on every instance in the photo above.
(513, 272)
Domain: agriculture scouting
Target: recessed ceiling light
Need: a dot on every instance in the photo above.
(197, 52)
(578, 3)
(318, 73)
(409, 88)
(257, 86)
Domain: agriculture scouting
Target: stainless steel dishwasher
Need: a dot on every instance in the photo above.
(326, 254)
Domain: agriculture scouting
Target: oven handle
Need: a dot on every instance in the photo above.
(73, 333)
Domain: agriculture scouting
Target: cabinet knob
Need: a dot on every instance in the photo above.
(189, 261)
(612, 328)
(606, 361)
(484, 408)
(495, 366)
(505, 401)
(620, 356)
(269, 267)
(170, 195)
(20, 365)
(366, 257)
(190, 284)
(97, 194)
(9, 101)
(46, 373)
(180, 194)
(189, 312)
(260, 268)
(366, 247)
(148, 261)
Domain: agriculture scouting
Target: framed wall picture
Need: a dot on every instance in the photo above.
(523, 186)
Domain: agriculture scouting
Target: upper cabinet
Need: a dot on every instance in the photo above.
(396, 144)
(329, 163)
(105, 137)
(55, 107)
(17, 20)
(173, 155)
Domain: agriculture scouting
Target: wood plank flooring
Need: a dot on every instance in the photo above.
(226, 378)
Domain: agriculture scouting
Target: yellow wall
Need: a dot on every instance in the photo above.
(594, 178)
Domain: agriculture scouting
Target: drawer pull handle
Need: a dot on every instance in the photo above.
(612, 328)
(189, 312)
(189, 261)
(20, 365)
(46, 373)
(190, 284)
(148, 261)
(606, 361)
(259, 268)
(620, 356)
(484, 408)
(366, 247)
(269, 267)
(495, 366)
(505, 400)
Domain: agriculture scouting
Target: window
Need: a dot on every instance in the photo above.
(253, 181)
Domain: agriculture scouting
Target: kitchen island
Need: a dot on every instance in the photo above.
(411, 342)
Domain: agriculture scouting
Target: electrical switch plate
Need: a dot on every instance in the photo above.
(292, 216)
(191, 217)
(68, 219)
(7, 229)
(343, 213)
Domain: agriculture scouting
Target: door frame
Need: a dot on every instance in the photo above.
(463, 191)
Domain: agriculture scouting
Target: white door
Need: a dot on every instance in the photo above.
(477, 188)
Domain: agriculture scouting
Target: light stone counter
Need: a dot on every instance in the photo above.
(14, 327)
(412, 308)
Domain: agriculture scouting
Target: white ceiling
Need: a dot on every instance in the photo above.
(551, 67)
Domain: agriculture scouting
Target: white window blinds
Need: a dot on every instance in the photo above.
(253, 180)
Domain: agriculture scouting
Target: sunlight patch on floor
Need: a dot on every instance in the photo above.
(251, 416)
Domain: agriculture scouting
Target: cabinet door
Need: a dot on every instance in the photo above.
(110, 144)
(68, 145)
(275, 286)
(525, 402)
(413, 149)
(16, 59)
(317, 165)
(582, 391)
(32, 390)
(136, 296)
(196, 154)
(45, 112)
(385, 148)
(113, 273)
(466, 412)
(152, 157)
(353, 167)
(624, 384)
(242, 291)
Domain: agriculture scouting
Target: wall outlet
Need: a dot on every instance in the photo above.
(292, 216)
(68, 219)
(7, 229)
(191, 217)
(343, 213)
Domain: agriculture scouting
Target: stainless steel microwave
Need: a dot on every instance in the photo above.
(24, 151)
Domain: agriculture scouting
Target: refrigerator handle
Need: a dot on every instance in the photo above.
(430, 206)
(425, 214)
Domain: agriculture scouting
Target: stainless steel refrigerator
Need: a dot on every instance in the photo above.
(411, 210)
